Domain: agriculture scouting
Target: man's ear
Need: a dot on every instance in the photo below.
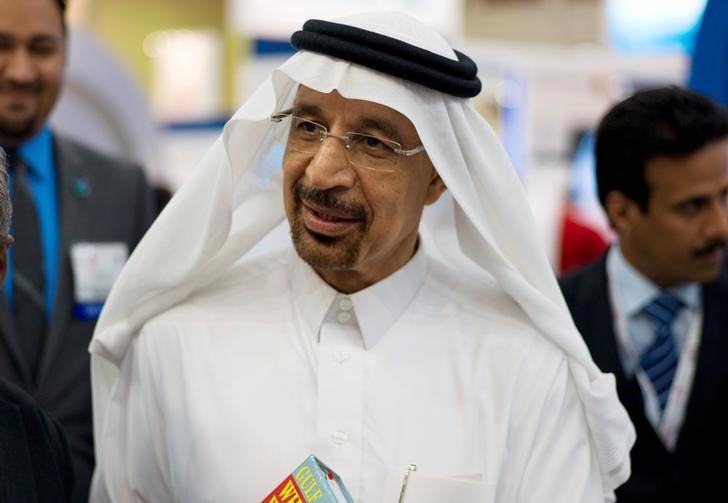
(435, 188)
(622, 211)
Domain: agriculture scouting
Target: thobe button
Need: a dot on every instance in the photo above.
(345, 304)
(343, 317)
(339, 437)
(341, 356)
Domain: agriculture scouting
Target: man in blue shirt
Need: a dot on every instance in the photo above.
(653, 308)
(81, 212)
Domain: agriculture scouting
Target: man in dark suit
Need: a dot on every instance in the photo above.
(81, 212)
(654, 309)
(35, 460)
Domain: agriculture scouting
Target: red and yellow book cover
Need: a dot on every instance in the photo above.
(311, 482)
(287, 491)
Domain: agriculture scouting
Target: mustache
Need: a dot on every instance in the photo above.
(326, 199)
(711, 246)
(10, 85)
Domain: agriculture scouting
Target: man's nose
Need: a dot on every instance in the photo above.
(20, 67)
(329, 166)
(718, 224)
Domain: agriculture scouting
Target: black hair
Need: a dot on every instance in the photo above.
(62, 8)
(667, 121)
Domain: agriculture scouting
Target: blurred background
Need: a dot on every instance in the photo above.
(156, 80)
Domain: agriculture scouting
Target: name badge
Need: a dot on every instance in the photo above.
(95, 268)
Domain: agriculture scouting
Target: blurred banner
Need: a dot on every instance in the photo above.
(653, 25)
(280, 18)
(709, 70)
(186, 74)
(102, 105)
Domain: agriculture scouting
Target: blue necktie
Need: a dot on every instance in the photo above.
(659, 360)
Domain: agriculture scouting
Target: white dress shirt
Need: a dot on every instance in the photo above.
(221, 397)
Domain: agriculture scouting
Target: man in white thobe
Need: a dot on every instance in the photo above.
(372, 342)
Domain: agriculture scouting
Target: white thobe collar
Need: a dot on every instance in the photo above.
(377, 307)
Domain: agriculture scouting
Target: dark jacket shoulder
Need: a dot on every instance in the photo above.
(109, 186)
(35, 462)
(587, 281)
(70, 151)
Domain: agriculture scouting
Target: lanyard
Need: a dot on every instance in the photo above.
(668, 425)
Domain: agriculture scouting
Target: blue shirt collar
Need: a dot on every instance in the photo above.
(635, 290)
(37, 153)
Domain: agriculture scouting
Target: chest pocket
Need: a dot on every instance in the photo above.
(428, 488)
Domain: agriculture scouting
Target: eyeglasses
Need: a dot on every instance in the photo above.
(362, 150)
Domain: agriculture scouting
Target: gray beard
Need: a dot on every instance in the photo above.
(323, 253)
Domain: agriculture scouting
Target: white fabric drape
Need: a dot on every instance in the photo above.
(234, 199)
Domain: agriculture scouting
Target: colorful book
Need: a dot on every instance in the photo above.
(312, 481)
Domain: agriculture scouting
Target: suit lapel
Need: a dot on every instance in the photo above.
(711, 371)
(595, 319)
(75, 217)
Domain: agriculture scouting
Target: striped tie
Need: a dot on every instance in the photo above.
(659, 360)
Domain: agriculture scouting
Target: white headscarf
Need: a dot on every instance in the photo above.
(234, 199)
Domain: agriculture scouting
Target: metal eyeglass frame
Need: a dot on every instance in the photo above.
(346, 138)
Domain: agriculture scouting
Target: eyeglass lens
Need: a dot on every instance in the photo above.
(363, 150)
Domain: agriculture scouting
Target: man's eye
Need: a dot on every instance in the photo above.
(370, 143)
(374, 142)
(692, 207)
(308, 127)
(43, 49)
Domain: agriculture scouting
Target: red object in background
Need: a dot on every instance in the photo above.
(580, 243)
